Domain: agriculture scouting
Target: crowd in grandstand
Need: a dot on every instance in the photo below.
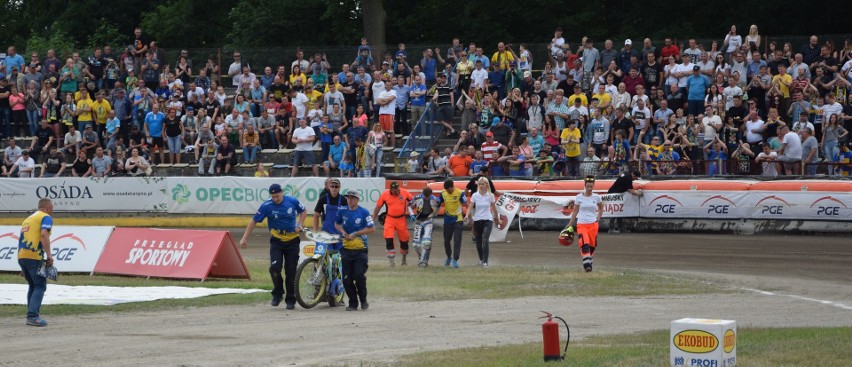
(692, 109)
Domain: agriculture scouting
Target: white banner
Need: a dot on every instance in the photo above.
(615, 205)
(694, 204)
(74, 249)
(805, 205)
(507, 207)
(243, 195)
(16, 294)
(111, 194)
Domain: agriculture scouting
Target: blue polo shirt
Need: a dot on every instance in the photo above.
(353, 221)
(280, 218)
(697, 85)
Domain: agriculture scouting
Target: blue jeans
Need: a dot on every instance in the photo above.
(174, 143)
(379, 155)
(32, 119)
(831, 149)
(38, 284)
(250, 153)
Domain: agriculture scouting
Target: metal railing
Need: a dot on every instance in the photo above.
(423, 135)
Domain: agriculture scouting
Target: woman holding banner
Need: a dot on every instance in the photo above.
(484, 213)
(588, 209)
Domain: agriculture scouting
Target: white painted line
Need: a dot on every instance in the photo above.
(821, 301)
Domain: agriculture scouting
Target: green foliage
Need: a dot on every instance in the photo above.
(187, 23)
(57, 40)
(106, 33)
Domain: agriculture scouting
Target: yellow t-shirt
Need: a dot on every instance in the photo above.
(29, 243)
(101, 111)
(300, 77)
(571, 149)
(603, 99)
(82, 115)
(785, 90)
(582, 97)
(503, 58)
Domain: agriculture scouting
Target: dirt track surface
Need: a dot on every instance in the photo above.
(784, 281)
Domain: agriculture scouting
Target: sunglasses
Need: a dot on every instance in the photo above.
(334, 186)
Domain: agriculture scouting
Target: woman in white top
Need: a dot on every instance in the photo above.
(753, 36)
(484, 213)
(733, 41)
(588, 209)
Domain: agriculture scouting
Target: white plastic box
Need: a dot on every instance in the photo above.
(703, 342)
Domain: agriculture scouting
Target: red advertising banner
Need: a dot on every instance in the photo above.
(172, 253)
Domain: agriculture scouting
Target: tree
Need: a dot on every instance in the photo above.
(374, 17)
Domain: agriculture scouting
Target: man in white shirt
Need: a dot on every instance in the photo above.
(387, 111)
(766, 159)
(754, 129)
(682, 72)
(640, 115)
(236, 68)
(24, 165)
(479, 76)
(831, 107)
(790, 153)
(300, 102)
(712, 123)
(732, 90)
(303, 137)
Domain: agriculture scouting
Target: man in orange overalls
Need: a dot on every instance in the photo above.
(397, 201)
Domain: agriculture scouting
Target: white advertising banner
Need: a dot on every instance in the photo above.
(111, 194)
(807, 205)
(74, 249)
(694, 204)
(243, 195)
(507, 207)
(615, 205)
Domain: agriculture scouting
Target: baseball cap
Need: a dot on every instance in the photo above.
(628, 42)
(25, 152)
(495, 121)
(489, 134)
(275, 188)
(189, 108)
(334, 181)
(353, 193)
(527, 74)
(414, 154)
(696, 68)
(394, 185)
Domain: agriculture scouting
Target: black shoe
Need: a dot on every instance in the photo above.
(352, 308)
(291, 306)
(365, 306)
(276, 301)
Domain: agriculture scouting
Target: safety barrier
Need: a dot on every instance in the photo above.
(185, 195)
(738, 206)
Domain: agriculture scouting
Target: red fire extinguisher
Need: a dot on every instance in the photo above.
(550, 337)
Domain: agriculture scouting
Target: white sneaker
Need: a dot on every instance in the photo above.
(484, 265)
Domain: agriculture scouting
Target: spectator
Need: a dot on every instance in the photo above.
(101, 164)
(304, 138)
(207, 158)
(174, 132)
(336, 152)
(459, 164)
(717, 156)
(790, 153)
(810, 154)
(82, 166)
(766, 159)
(570, 139)
(591, 164)
(225, 157)
(250, 144)
(53, 164)
(365, 158)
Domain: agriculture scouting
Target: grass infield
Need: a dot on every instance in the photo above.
(433, 283)
(757, 347)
